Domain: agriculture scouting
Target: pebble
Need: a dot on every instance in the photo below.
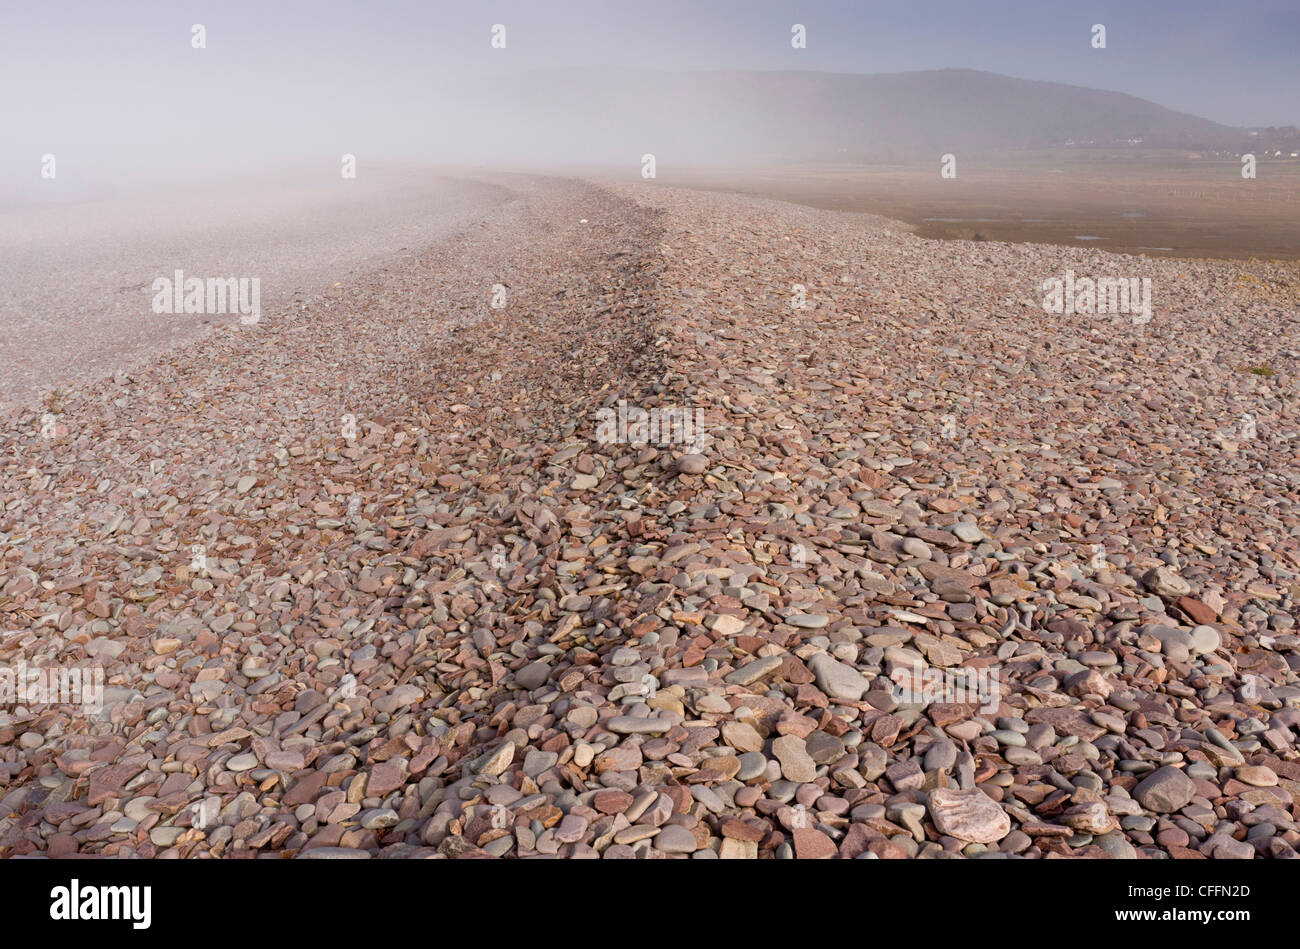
(673, 838)
(796, 764)
(1165, 790)
(837, 679)
(752, 765)
(631, 725)
(497, 761)
(742, 736)
(1205, 639)
(630, 648)
(751, 672)
(1257, 776)
(969, 815)
(807, 621)
(940, 756)
(692, 464)
(378, 818)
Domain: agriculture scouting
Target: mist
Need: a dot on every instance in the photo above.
(126, 99)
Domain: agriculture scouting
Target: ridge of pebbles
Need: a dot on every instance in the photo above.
(519, 641)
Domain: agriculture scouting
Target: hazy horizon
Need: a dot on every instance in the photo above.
(121, 94)
(1247, 73)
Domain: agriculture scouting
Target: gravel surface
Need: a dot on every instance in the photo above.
(479, 628)
(78, 279)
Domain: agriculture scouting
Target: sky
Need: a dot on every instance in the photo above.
(123, 76)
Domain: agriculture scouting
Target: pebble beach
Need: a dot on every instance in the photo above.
(365, 581)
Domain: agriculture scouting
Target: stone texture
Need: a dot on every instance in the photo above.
(968, 815)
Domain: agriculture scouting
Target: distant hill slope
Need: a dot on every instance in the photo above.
(601, 113)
